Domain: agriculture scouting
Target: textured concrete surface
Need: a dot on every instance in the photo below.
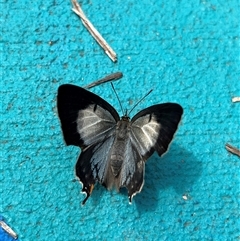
(187, 51)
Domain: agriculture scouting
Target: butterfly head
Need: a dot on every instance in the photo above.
(125, 118)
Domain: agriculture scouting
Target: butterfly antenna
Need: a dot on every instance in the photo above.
(140, 101)
(117, 97)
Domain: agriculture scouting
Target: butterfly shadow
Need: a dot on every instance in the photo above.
(178, 169)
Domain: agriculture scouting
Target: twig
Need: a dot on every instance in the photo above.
(236, 99)
(93, 31)
(7, 229)
(110, 77)
(232, 149)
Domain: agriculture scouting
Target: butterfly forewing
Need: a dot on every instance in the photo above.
(76, 107)
(153, 128)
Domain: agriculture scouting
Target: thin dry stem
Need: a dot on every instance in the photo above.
(233, 149)
(93, 31)
(111, 77)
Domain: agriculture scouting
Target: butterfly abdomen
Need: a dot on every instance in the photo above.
(117, 155)
(116, 164)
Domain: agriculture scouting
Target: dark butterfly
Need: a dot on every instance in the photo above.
(114, 149)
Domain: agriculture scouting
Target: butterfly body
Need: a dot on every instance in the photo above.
(114, 149)
(119, 147)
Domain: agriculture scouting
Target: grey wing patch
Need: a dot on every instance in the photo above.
(94, 124)
(132, 173)
(92, 164)
(145, 133)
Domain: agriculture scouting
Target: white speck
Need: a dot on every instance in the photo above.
(185, 197)
(236, 99)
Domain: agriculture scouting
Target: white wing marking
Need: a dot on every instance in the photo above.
(94, 123)
(145, 132)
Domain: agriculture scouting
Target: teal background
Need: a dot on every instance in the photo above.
(187, 51)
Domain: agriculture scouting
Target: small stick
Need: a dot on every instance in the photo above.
(93, 31)
(8, 230)
(110, 77)
(232, 149)
(236, 99)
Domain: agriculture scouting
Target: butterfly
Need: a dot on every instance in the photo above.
(113, 149)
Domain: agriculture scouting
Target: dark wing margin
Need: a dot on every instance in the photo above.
(154, 127)
(85, 117)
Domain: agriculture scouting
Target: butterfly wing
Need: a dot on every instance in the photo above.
(152, 129)
(89, 122)
(92, 164)
(132, 173)
(85, 117)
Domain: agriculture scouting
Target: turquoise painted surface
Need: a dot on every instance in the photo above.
(188, 52)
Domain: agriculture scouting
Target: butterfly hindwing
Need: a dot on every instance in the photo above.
(132, 172)
(92, 164)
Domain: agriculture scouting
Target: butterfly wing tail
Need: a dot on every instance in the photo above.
(84, 173)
